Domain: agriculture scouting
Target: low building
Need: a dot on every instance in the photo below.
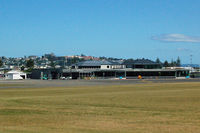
(48, 73)
(111, 69)
(15, 74)
(125, 73)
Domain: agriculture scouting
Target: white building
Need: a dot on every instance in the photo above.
(14, 74)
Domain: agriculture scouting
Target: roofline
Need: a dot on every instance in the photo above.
(124, 70)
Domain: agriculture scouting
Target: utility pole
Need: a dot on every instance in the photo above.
(191, 62)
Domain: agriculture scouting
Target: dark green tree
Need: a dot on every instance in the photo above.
(52, 64)
(1, 63)
(173, 63)
(103, 58)
(178, 62)
(75, 60)
(22, 68)
(166, 64)
(83, 55)
(30, 63)
(158, 60)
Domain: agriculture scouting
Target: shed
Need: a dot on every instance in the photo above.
(15, 74)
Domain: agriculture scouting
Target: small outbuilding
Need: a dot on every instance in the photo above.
(15, 74)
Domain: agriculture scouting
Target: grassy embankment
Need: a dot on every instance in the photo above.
(148, 108)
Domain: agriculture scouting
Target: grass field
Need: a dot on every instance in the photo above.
(140, 108)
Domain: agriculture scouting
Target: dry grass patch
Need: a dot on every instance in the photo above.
(141, 108)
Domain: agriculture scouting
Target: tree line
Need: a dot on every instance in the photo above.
(173, 63)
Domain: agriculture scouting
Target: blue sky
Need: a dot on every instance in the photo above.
(113, 28)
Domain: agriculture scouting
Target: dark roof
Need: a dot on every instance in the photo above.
(95, 63)
(140, 62)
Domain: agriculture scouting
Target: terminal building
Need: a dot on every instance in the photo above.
(112, 69)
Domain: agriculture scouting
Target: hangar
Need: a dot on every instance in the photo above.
(15, 74)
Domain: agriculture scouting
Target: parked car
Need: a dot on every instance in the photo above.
(62, 78)
(68, 78)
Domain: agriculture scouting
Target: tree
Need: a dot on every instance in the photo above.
(22, 68)
(166, 64)
(82, 55)
(131, 59)
(178, 62)
(30, 63)
(103, 58)
(173, 63)
(158, 60)
(1, 63)
(52, 64)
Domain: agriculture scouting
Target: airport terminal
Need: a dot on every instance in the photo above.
(112, 69)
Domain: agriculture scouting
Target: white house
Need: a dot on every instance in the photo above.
(14, 74)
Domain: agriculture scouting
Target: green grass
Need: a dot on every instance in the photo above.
(141, 108)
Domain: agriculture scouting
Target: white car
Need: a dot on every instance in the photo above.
(63, 78)
(68, 77)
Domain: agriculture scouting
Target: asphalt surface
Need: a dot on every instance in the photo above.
(70, 83)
